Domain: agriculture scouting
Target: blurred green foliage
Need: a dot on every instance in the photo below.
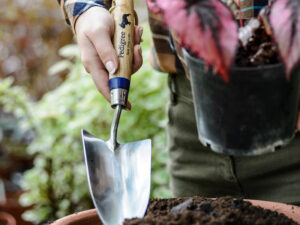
(31, 32)
(57, 184)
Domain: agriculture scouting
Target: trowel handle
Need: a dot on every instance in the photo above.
(124, 19)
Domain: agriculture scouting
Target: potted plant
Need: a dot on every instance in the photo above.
(245, 81)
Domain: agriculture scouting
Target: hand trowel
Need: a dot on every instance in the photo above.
(119, 174)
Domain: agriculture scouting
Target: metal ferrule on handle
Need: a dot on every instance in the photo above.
(119, 88)
(124, 20)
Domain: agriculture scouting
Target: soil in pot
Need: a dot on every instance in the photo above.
(260, 50)
(204, 211)
(200, 211)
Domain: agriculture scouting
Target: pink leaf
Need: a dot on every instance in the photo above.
(205, 27)
(152, 5)
(285, 23)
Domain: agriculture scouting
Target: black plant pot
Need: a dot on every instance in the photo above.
(255, 113)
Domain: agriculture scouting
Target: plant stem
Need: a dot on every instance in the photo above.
(240, 15)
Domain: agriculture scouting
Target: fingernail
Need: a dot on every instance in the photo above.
(110, 67)
(140, 50)
(141, 30)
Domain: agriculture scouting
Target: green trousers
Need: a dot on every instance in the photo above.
(197, 170)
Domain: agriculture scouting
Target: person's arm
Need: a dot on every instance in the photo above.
(94, 28)
(73, 9)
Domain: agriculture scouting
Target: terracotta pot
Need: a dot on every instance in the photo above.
(13, 207)
(6, 218)
(90, 217)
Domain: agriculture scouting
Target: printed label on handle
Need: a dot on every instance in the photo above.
(123, 39)
(122, 45)
(125, 21)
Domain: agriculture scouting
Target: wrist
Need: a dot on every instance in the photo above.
(90, 12)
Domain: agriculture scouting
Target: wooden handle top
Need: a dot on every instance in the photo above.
(124, 20)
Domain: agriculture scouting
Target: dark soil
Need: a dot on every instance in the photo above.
(260, 50)
(203, 211)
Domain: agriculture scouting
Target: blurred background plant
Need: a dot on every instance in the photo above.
(47, 121)
(31, 32)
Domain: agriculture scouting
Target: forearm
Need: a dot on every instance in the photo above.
(72, 9)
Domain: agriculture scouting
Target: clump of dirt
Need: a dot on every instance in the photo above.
(260, 50)
(204, 211)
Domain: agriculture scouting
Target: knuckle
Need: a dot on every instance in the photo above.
(106, 53)
(86, 63)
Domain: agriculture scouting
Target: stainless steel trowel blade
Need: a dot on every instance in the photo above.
(119, 180)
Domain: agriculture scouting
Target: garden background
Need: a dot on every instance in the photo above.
(46, 98)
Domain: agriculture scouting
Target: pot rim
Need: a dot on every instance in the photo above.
(236, 68)
(7, 218)
(91, 217)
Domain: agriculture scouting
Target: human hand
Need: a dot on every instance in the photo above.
(94, 30)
